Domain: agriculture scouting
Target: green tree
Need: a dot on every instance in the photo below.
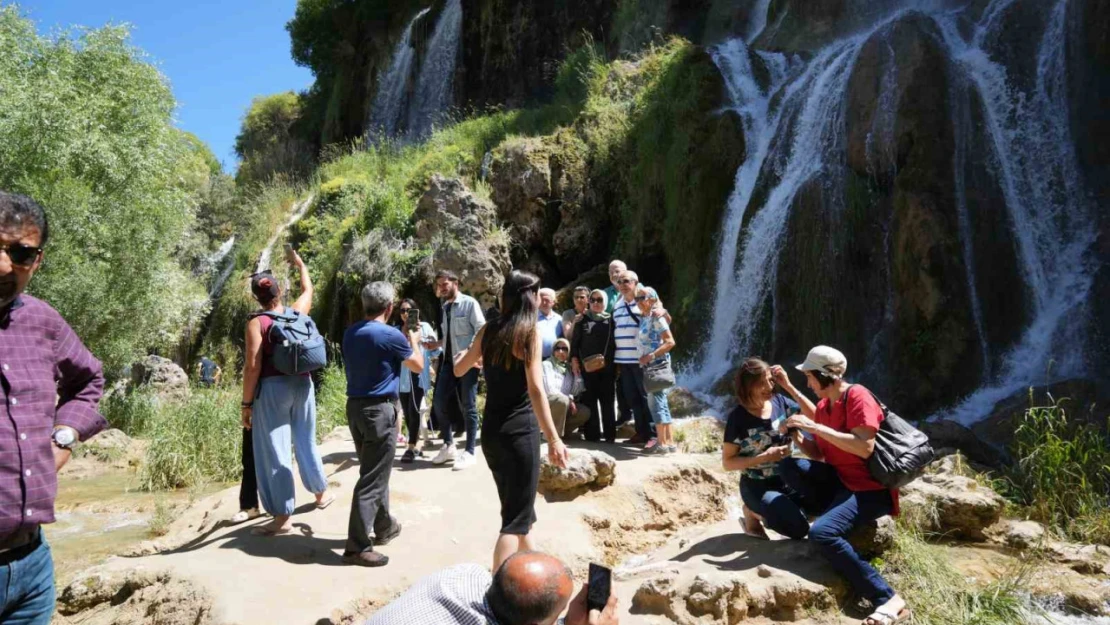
(86, 129)
(269, 143)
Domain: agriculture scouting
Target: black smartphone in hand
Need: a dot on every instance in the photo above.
(412, 320)
(599, 587)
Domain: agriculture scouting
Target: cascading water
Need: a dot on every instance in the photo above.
(797, 137)
(299, 210)
(433, 92)
(757, 21)
(388, 109)
(221, 257)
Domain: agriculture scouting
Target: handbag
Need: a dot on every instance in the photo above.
(902, 452)
(595, 363)
(658, 376)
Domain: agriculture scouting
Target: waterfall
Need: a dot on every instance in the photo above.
(813, 101)
(433, 92)
(221, 256)
(796, 137)
(299, 210)
(387, 110)
(1050, 216)
(757, 20)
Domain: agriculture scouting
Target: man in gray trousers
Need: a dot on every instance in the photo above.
(373, 354)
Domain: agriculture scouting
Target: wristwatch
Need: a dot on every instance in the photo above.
(64, 437)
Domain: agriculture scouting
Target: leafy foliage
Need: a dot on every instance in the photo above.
(194, 442)
(269, 141)
(1062, 473)
(86, 129)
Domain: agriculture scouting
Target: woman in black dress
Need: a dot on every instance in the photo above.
(512, 353)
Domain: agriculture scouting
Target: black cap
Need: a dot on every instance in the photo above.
(265, 286)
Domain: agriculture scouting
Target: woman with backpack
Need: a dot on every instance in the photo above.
(516, 409)
(836, 482)
(279, 409)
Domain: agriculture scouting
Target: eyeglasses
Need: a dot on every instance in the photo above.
(626, 281)
(641, 298)
(596, 300)
(20, 254)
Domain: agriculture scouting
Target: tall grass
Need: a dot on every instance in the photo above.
(133, 413)
(938, 594)
(331, 400)
(194, 441)
(1062, 474)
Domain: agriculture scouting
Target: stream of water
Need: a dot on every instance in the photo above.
(388, 109)
(433, 92)
(795, 127)
(299, 210)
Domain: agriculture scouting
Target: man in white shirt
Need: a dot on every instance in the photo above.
(549, 322)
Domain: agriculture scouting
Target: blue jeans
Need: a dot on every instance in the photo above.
(27, 588)
(466, 388)
(284, 416)
(779, 506)
(660, 408)
(636, 399)
(841, 511)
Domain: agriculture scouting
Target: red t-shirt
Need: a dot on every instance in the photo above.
(844, 416)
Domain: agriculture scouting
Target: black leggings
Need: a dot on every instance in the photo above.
(248, 489)
(410, 404)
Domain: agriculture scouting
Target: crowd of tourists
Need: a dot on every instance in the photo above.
(804, 466)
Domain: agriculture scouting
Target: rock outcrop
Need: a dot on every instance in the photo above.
(951, 505)
(161, 375)
(586, 470)
(134, 597)
(461, 229)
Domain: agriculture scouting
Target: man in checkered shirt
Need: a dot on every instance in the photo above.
(50, 386)
(530, 588)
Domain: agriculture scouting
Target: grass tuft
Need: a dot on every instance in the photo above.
(194, 442)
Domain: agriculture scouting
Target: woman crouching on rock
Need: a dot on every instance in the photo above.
(755, 446)
(512, 351)
(836, 484)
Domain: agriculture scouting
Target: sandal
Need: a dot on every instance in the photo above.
(325, 502)
(270, 530)
(882, 617)
(243, 516)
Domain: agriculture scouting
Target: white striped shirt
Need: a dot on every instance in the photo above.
(626, 320)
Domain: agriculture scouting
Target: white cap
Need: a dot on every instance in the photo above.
(827, 360)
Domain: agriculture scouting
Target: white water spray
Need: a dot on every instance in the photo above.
(387, 111)
(299, 210)
(432, 94)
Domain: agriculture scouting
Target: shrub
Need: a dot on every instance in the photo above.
(331, 400)
(194, 442)
(133, 413)
(1062, 473)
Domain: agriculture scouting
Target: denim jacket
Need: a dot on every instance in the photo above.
(466, 319)
(426, 334)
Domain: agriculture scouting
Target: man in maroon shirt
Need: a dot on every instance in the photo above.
(49, 389)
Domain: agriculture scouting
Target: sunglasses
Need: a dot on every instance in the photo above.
(626, 281)
(561, 349)
(405, 310)
(641, 298)
(596, 300)
(20, 254)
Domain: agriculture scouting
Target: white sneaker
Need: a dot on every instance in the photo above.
(464, 461)
(445, 454)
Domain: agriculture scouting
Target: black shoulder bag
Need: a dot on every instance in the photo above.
(902, 452)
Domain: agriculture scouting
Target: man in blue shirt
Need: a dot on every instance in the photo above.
(549, 324)
(373, 353)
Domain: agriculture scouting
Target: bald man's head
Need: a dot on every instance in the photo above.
(530, 588)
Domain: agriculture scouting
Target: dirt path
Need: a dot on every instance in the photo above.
(449, 517)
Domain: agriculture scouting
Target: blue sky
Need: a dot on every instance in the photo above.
(217, 55)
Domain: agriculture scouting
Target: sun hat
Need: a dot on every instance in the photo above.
(828, 360)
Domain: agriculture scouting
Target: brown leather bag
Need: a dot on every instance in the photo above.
(593, 364)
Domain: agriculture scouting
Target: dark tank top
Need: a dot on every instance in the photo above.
(508, 407)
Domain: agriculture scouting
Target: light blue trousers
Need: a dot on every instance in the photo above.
(285, 416)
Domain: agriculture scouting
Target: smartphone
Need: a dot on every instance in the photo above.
(599, 587)
(288, 251)
(412, 321)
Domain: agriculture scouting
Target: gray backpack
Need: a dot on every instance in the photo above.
(297, 344)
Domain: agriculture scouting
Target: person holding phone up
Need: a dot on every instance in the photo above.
(413, 387)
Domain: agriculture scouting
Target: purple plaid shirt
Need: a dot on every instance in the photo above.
(48, 378)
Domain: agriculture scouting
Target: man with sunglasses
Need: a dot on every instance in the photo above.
(51, 386)
(574, 315)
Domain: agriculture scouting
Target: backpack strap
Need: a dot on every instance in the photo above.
(632, 314)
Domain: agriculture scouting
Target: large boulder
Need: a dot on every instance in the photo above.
(586, 470)
(952, 505)
(461, 229)
(161, 375)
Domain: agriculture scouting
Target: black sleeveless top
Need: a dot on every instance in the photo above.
(508, 407)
